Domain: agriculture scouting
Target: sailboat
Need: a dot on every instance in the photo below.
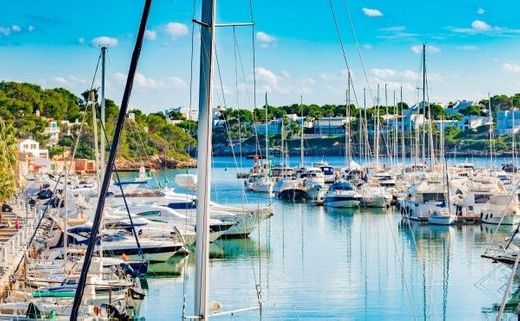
(261, 182)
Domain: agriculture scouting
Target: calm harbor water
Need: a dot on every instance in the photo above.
(317, 263)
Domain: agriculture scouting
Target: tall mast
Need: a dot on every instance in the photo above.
(394, 141)
(430, 126)
(348, 156)
(377, 128)
(266, 132)
(491, 137)
(102, 110)
(302, 155)
(386, 122)
(365, 126)
(403, 151)
(95, 129)
(424, 100)
(513, 138)
(207, 45)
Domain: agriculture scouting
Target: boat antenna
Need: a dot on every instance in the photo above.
(111, 161)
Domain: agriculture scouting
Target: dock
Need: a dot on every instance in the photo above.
(16, 229)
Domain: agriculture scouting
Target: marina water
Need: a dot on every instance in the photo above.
(319, 263)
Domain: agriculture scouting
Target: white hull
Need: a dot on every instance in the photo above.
(376, 201)
(341, 203)
(442, 219)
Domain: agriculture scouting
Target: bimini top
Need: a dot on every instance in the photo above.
(341, 185)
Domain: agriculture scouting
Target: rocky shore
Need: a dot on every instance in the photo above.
(155, 162)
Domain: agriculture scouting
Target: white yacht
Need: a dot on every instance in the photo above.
(342, 194)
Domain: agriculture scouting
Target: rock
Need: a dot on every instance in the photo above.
(155, 162)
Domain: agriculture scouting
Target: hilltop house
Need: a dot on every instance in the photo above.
(473, 122)
(331, 125)
(411, 118)
(53, 131)
(508, 121)
(32, 147)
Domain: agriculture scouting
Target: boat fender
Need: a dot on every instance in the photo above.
(96, 311)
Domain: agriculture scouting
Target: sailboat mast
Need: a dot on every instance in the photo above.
(347, 124)
(491, 138)
(386, 123)
(423, 150)
(302, 154)
(513, 133)
(403, 151)
(266, 132)
(396, 132)
(102, 109)
(377, 128)
(207, 38)
(95, 129)
(430, 125)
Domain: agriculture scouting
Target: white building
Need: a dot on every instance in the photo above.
(473, 122)
(53, 131)
(32, 147)
(446, 123)
(508, 121)
(330, 125)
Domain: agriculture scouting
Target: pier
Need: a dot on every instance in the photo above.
(16, 229)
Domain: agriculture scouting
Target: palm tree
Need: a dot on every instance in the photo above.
(8, 161)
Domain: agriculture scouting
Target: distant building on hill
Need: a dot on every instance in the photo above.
(53, 131)
(330, 125)
(32, 147)
(473, 122)
(508, 121)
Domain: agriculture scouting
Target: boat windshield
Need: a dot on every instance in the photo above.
(341, 186)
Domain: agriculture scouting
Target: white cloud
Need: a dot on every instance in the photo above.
(105, 41)
(16, 28)
(31, 28)
(383, 73)
(467, 47)
(176, 29)
(61, 81)
(267, 76)
(143, 82)
(511, 68)
(372, 12)
(150, 34)
(410, 75)
(430, 49)
(481, 11)
(265, 38)
(177, 83)
(480, 25)
(395, 33)
(69, 81)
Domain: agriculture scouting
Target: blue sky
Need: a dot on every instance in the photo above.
(473, 48)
